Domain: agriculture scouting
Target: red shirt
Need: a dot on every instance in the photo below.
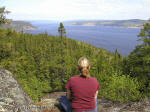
(82, 92)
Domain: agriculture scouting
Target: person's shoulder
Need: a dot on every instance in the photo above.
(93, 78)
(74, 77)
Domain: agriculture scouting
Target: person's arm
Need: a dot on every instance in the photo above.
(96, 94)
(68, 94)
(98, 88)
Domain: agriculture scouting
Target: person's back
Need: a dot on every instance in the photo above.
(83, 89)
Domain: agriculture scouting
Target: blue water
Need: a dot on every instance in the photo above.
(110, 38)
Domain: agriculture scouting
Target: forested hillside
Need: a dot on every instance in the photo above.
(43, 64)
(19, 26)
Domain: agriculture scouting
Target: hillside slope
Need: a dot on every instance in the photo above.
(38, 59)
(43, 64)
(20, 26)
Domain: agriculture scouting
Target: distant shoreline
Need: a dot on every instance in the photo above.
(20, 26)
(30, 28)
(133, 27)
(133, 23)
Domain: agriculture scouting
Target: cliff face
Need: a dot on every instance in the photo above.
(14, 99)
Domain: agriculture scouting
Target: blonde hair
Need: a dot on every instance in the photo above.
(84, 66)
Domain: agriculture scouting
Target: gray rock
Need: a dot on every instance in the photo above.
(104, 105)
(12, 96)
(147, 109)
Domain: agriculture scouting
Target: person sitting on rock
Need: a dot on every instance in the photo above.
(82, 90)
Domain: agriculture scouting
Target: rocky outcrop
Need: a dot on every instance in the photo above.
(12, 96)
(104, 105)
(109, 106)
(14, 99)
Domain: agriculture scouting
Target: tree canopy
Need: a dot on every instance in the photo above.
(138, 62)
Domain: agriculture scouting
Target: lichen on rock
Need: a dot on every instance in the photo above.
(12, 97)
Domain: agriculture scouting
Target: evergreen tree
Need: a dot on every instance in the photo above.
(62, 30)
(138, 62)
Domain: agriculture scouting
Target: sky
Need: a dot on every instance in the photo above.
(77, 9)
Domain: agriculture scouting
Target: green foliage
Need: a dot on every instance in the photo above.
(145, 34)
(43, 64)
(121, 88)
(138, 62)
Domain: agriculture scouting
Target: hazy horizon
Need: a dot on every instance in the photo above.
(79, 20)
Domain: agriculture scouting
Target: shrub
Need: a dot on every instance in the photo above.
(121, 88)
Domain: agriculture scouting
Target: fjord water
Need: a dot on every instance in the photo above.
(109, 38)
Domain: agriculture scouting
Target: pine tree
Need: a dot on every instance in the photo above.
(62, 30)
